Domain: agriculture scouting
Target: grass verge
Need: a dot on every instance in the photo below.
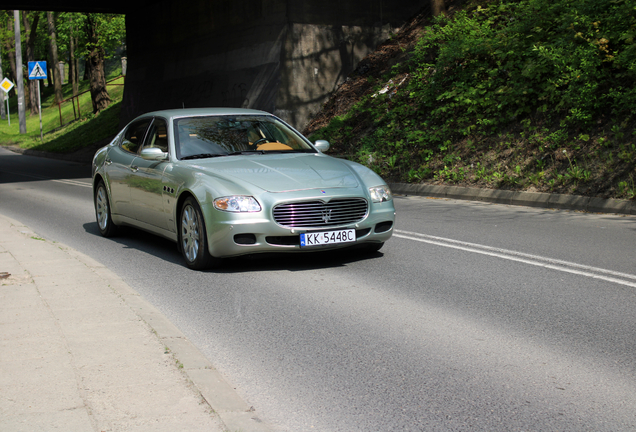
(535, 95)
(62, 133)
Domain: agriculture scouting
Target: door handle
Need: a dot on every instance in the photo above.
(134, 168)
(108, 161)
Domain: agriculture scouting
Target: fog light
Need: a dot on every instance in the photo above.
(245, 239)
(383, 227)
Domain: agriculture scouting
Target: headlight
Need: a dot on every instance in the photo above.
(237, 204)
(380, 193)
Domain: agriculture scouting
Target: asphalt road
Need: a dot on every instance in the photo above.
(473, 317)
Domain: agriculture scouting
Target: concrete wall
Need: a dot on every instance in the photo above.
(282, 56)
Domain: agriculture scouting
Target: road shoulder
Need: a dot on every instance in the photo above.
(82, 350)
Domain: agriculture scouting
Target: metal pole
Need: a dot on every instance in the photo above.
(40, 109)
(3, 95)
(19, 73)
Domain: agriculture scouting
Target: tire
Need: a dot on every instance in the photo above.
(193, 239)
(102, 211)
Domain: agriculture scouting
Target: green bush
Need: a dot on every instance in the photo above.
(544, 74)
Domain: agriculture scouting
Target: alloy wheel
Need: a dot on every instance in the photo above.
(190, 233)
(101, 208)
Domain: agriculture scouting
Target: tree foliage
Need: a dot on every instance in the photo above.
(105, 35)
(572, 60)
(560, 69)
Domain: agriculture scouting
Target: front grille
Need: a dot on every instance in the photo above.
(318, 214)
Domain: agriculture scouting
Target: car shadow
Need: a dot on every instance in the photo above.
(295, 262)
(132, 238)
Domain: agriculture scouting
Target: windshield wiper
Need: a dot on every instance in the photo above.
(291, 151)
(244, 152)
(263, 152)
(202, 156)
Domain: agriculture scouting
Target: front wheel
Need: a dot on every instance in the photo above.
(193, 239)
(102, 211)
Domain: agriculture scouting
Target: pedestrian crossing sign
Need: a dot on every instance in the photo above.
(37, 70)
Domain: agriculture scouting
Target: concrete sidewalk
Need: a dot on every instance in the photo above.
(81, 351)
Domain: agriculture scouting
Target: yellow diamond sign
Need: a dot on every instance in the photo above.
(6, 85)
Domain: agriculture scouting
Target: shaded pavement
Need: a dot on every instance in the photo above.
(82, 351)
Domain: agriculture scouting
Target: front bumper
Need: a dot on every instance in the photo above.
(235, 234)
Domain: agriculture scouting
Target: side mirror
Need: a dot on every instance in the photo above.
(153, 153)
(322, 145)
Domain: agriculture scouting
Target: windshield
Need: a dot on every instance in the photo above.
(203, 137)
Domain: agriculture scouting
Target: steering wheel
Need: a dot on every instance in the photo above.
(260, 141)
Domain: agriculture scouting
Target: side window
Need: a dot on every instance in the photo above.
(134, 135)
(158, 135)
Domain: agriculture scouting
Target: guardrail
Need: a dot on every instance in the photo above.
(77, 113)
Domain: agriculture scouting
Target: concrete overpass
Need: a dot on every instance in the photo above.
(282, 56)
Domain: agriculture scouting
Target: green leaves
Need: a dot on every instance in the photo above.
(543, 71)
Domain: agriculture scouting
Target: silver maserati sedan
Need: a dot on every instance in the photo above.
(225, 182)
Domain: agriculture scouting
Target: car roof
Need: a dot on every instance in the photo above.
(194, 112)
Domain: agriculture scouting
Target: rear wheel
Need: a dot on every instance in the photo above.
(193, 239)
(102, 211)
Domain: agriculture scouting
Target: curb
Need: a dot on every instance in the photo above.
(82, 156)
(496, 196)
(528, 199)
(232, 410)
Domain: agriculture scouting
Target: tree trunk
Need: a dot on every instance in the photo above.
(49, 72)
(71, 67)
(3, 96)
(57, 76)
(95, 64)
(30, 29)
(438, 7)
(10, 50)
(87, 69)
(72, 63)
(19, 79)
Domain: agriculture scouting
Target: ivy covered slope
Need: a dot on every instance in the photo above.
(532, 95)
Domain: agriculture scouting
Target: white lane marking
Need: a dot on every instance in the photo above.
(74, 183)
(65, 181)
(550, 263)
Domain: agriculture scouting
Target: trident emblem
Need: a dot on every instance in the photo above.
(326, 216)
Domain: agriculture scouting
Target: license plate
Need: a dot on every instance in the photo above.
(327, 238)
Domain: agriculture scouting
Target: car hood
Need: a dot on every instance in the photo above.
(283, 173)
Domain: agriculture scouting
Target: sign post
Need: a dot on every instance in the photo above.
(6, 85)
(19, 81)
(37, 71)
